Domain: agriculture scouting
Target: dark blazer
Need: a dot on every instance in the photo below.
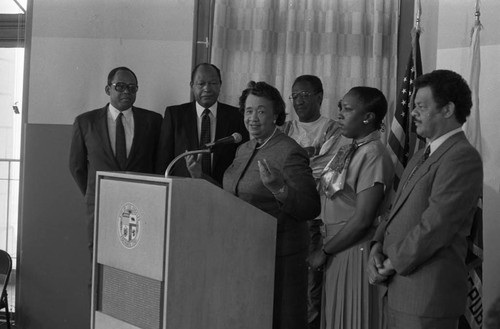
(302, 203)
(242, 179)
(425, 233)
(179, 133)
(91, 148)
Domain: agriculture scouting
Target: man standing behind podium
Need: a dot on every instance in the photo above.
(117, 137)
(191, 125)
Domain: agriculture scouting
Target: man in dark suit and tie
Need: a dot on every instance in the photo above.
(191, 125)
(419, 250)
(117, 137)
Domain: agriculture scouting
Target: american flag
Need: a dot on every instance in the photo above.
(473, 316)
(403, 140)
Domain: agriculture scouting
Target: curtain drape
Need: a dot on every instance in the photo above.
(345, 43)
(12, 30)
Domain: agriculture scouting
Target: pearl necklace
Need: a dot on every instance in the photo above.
(267, 140)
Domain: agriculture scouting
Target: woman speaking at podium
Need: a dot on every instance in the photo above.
(271, 172)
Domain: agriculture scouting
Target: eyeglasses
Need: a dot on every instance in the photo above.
(302, 94)
(121, 87)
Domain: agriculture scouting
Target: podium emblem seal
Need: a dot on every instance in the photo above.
(129, 224)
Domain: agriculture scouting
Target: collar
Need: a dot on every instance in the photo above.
(114, 112)
(441, 139)
(312, 123)
(375, 135)
(200, 109)
(253, 142)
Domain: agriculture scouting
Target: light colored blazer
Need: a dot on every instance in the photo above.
(425, 233)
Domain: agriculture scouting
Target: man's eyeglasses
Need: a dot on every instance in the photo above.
(121, 87)
(302, 94)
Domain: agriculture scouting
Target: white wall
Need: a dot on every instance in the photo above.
(76, 43)
(445, 41)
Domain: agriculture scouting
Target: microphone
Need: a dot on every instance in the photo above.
(233, 139)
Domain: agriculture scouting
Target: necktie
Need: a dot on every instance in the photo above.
(419, 163)
(205, 138)
(120, 145)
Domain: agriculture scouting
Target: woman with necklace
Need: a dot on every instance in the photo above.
(271, 172)
(354, 187)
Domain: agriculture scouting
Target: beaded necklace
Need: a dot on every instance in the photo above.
(267, 140)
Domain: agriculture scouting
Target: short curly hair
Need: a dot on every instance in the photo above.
(313, 80)
(263, 89)
(113, 72)
(448, 86)
(193, 73)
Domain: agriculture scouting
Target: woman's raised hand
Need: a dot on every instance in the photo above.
(271, 177)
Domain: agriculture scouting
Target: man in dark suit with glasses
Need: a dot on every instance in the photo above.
(117, 137)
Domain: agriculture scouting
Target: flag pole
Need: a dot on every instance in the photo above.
(417, 16)
(473, 315)
(477, 12)
(472, 127)
(415, 142)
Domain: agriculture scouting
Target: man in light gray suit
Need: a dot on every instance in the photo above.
(419, 250)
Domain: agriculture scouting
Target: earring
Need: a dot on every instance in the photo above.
(365, 122)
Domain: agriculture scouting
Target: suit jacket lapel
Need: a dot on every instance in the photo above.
(403, 193)
(250, 151)
(421, 171)
(221, 129)
(139, 128)
(190, 124)
(222, 124)
(102, 131)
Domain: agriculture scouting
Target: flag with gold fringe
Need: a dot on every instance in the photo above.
(473, 316)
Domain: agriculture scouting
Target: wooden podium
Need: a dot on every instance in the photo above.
(179, 253)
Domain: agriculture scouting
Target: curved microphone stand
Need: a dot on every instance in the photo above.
(180, 156)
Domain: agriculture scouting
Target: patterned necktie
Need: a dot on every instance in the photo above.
(205, 138)
(120, 144)
(419, 163)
